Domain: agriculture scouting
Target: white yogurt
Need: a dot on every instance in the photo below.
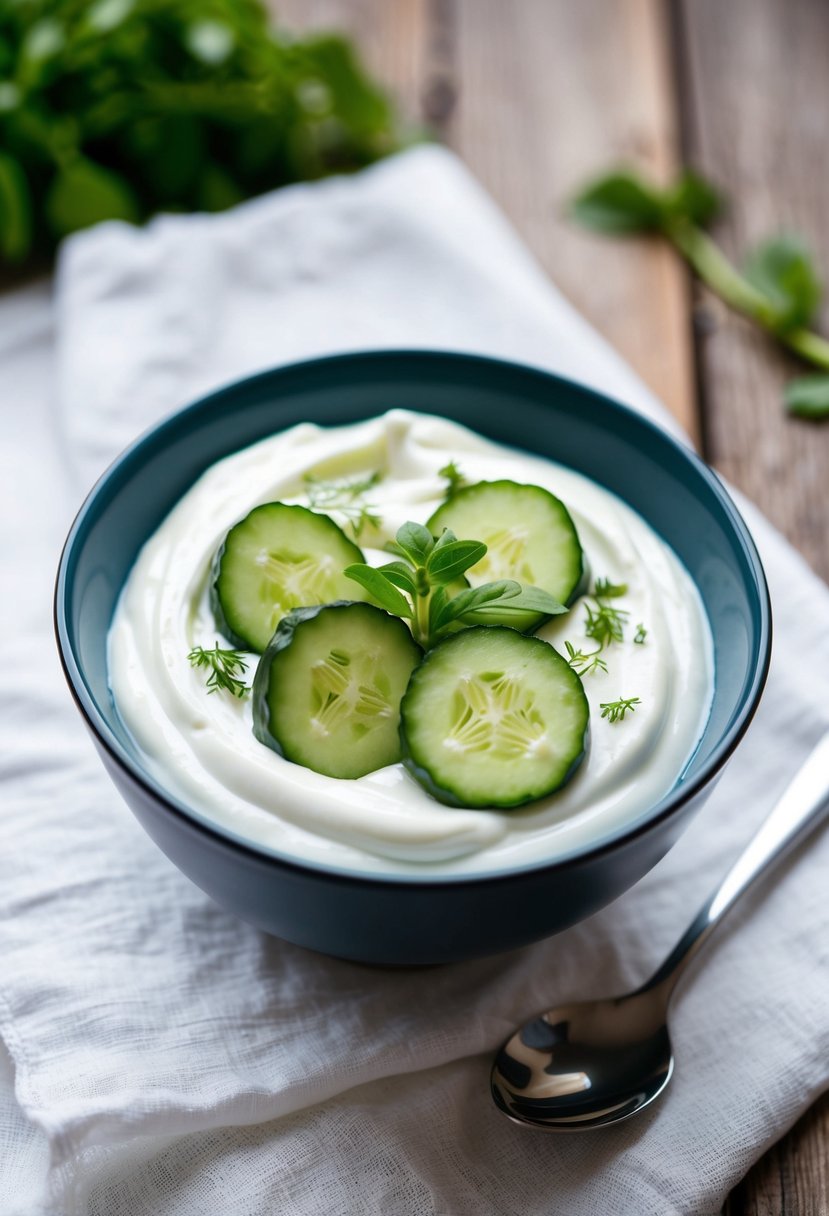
(202, 747)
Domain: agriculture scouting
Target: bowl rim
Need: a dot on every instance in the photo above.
(197, 820)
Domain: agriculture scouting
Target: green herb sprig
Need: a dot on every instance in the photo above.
(347, 497)
(455, 479)
(418, 586)
(585, 664)
(116, 109)
(604, 622)
(615, 711)
(226, 667)
(778, 286)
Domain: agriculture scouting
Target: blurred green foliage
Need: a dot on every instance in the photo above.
(121, 108)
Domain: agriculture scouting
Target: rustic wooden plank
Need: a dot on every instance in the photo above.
(551, 93)
(757, 99)
(792, 1179)
(756, 96)
(537, 95)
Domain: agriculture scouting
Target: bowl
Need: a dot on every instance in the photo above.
(404, 919)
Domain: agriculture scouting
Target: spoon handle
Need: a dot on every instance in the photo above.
(800, 808)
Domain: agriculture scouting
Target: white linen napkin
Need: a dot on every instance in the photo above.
(168, 1058)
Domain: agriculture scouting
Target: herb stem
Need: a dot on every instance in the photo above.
(717, 272)
(421, 618)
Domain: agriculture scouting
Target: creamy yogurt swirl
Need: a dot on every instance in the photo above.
(202, 747)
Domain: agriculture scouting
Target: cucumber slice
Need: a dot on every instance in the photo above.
(277, 558)
(493, 719)
(529, 535)
(327, 690)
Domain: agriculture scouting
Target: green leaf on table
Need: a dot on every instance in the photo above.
(693, 199)
(83, 193)
(450, 560)
(416, 542)
(808, 396)
(378, 586)
(782, 269)
(15, 210)
(619, 203)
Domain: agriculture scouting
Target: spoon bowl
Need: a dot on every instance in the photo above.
(586, 1065)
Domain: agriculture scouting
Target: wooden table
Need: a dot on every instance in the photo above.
(537, 95)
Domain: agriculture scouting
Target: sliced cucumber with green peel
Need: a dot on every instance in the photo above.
(529, 535)
(278, 558)
(492, 718)
(327, 690)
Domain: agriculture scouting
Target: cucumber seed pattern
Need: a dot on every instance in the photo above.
(506, 556)
(293, 580)
(344, 694)
(493, 713)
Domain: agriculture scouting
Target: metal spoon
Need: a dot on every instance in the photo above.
(588, 1065)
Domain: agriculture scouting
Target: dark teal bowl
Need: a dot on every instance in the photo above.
(402, 919)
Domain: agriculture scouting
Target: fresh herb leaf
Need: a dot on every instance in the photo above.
(693, 198)
(615, 711)
(83, 193)
(346, 496)
(619, 203)
(474, 599)
(15, 210)
(782, 269)
(416, 542)
(808, 397)
(437, 603)
(640, 635)
(454, 477)
(605, 590)
(401, 574)
(226, 669)
(585, 664)
(448, 562)
(503, 611)
(380, 587)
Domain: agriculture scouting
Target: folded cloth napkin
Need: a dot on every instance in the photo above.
(166, 1057)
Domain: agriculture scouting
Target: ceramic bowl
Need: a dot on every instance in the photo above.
(403, 919)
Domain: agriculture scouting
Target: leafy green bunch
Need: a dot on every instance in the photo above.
(426, 585)
(116, 109)
(777, 287)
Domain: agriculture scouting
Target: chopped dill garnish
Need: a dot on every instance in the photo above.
(454, 477)
(346, 496)
(226, 667)
(615, 711)
(585, 664)
(604, 623)
(605, 590)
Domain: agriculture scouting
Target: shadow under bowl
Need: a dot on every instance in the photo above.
(403, 919)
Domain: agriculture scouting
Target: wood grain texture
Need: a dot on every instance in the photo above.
(537, 95)
(756, 105)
